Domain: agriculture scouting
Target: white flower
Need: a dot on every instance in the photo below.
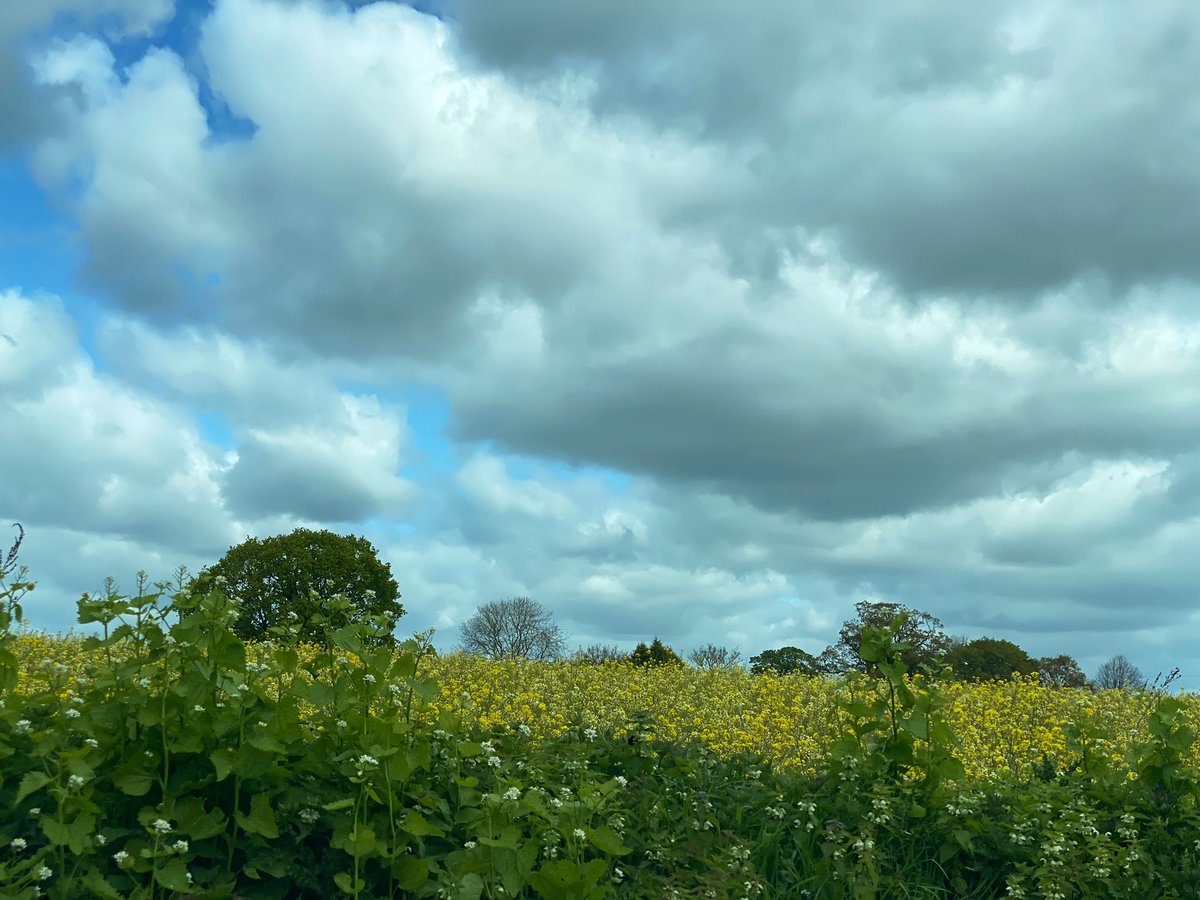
(590, 733)
(101, 840)
(579, 833)
(92, 742)
(43, 873)
(309, 815)
(524, 729)
(144, 682)
(180, 846)
(369, 678)
(341, 723)
(35, 811)
(18, 843)
(494, 762)
(197, 708)
(76, 781)
(72, 714)
(512, 794)
(23, 726)
(621, 780)
(555, 802)
(366, 760)
(470, 845)
(162, 826)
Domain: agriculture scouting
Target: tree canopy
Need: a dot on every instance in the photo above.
(655, 654)
(1119, 674)
(516, 628)
(1061, 671)
(291, 578)
(714, 656)
(921, 631)
(785, 661)
(986, 659)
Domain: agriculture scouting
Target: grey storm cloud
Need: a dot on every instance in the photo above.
(26, 107)
(956, 148)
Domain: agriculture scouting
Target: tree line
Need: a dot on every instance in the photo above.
(284, 580)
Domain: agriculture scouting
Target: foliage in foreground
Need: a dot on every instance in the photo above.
(179, 767)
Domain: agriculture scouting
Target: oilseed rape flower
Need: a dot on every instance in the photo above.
(1005, 728)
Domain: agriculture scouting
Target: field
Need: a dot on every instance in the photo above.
(169, 758)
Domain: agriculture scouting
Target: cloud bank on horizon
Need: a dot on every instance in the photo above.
(681, 320)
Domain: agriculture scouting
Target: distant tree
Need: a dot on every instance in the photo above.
(1119, 674)
(785, 661)
(1061, 671)
(711, 656)
(656, 654)
(921, 630)
(291, 577)
(517, 628)
(596, 654)
(988, 659)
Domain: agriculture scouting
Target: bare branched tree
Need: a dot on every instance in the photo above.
(1119, 674)
(710, 656)
(517, 628)
(596, 654)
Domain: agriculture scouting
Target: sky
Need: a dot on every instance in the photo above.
(686, 320)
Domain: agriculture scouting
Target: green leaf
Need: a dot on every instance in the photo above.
(607, 840)
(566, 880)
(469, 887)
(56, 833)
(410, 872)
(418, 826)
(344, 882)
(173, 875)
(133, 782)
(33, 781)
(99, 887)
(265, 741)
(195, 822)
(360, 841)
(223, 761)
(261, 819)
(345, 803)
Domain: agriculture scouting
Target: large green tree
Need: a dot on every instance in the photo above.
(1061, 671)
(920, 630)
(989, 659)
(785, 661)
(291, 577)
(655, 654)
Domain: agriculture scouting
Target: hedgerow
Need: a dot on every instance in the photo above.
(166, 757)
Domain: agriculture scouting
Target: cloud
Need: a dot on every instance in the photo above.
(88, 453)
(26, 113)
(978, 149)
(339, 471)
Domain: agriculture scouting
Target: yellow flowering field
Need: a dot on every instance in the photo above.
(1004, 727)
